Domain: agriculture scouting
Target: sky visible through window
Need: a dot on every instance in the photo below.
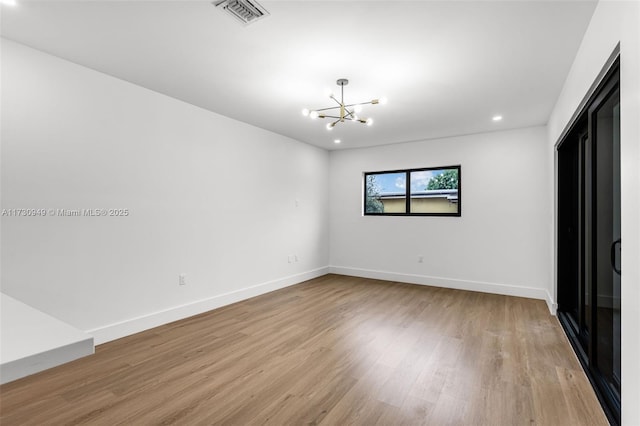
(394, 183)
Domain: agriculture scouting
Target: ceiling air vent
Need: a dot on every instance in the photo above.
(243, 10)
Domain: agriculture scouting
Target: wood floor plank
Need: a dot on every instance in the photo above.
(336, 350)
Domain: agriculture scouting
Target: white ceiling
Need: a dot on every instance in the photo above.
(446, 67)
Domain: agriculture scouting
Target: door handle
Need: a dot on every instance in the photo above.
(613, 255)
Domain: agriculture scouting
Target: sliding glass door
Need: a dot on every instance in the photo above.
(589, 242)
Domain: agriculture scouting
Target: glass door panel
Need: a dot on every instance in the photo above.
(605, 121)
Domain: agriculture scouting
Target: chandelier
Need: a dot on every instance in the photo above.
(345, 112)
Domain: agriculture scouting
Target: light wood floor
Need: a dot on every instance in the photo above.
(334, 351)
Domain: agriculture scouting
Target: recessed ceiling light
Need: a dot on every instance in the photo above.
(497, 118)
(337, 141)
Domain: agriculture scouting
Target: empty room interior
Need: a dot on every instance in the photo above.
(320, 212)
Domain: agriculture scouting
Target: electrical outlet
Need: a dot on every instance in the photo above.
(420, 259)
(295, 257)
(182, 279)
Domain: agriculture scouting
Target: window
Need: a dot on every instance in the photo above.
(433, 191)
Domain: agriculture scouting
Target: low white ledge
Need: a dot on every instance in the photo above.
(32, 341)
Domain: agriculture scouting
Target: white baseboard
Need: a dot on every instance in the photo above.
(551, 304)
(135, 325)
(484, 287)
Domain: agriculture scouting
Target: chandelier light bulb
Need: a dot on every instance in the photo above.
(369, 121)
(330, 126)
(383, 100)
(305, 112)
(314, 114)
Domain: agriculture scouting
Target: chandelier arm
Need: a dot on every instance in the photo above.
(325, 109)
(361, 103)
(329, 116)
(337, 101)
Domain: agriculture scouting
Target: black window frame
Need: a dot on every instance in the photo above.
(407, 173)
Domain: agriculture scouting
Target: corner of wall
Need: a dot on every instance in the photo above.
(551, 304)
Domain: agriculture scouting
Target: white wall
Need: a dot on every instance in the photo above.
(208, 196)
(614, 22)
(499, 245)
